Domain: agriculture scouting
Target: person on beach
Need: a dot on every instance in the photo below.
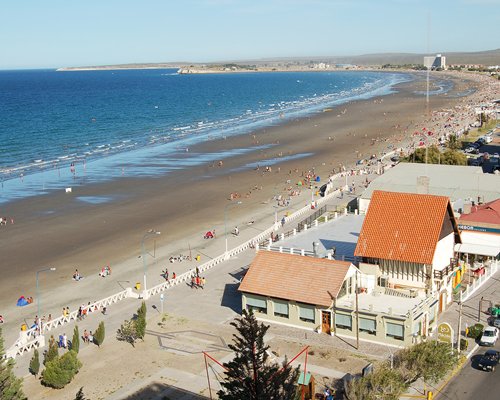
(90, 338)
(1, 319)
(173, 275)
(85, 336)
(203, 282)
(193, 282)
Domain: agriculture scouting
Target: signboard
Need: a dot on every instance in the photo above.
(445, 333)
(477, 228)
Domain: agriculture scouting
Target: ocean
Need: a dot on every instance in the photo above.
(64, 129)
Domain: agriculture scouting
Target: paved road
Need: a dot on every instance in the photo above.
(472, 383)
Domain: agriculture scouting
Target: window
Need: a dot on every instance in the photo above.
(307, 313)
(395, 331)
(368, 325)
(343, 321)
(257, 305)
(432, 314)
(280, 308)
(417, 327)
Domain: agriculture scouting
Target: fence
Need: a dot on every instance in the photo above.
(33, 338)
(470, 289)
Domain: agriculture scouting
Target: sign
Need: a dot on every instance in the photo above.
(445, 333)
(477, 228)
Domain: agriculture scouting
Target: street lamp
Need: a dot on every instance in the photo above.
(38, 294)
(225, 218)
(151, 232)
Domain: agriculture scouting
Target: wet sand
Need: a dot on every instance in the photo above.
(59, 230)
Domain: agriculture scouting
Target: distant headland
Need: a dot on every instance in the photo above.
(481, 58)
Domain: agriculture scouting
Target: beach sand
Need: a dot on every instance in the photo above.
(58, 230)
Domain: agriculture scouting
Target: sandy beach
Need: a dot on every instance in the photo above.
(58, 230)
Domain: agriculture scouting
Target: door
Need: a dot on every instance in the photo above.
(326, 321)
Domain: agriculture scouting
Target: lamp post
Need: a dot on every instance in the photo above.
(38, 293)
(225, 219)
(151, 232)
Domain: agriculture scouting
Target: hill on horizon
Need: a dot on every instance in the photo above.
(487, 58)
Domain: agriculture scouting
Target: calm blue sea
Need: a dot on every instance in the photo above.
(69, 128)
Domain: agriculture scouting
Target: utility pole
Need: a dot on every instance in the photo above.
(357, 311)
(459, 323)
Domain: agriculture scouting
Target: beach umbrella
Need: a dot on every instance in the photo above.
(299, 183)
(22, 301)
(318, 179)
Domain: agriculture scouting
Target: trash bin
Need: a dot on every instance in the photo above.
(138, 286)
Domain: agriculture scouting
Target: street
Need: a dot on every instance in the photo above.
(472, 383)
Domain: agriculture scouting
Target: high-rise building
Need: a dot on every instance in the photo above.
(434, 62)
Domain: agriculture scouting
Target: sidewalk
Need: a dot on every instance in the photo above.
(470, 316)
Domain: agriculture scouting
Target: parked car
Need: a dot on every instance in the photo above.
(489, 360)
(496, 322)
(488, 139)
(489, 337)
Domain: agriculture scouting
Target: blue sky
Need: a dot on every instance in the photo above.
(58, 33)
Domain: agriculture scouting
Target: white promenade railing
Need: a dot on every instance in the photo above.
(471, 289)
(32, 338)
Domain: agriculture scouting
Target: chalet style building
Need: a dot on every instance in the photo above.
(407, 243)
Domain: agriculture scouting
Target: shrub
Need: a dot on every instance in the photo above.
(35, 363)
(140, 321)
(52, 353)
(127, 332)
(475, 331)
(99, 334)
(60, 371)
(75, 343)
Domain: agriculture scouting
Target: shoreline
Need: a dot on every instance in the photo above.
(62, 232)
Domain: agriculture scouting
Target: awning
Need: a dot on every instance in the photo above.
(479, 249)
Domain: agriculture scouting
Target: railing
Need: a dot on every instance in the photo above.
(469, 291)
(444, 272)
(421, 306)
(31, 338)
(311, 218)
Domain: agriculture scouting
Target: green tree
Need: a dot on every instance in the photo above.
(11, 388)
(35, 363)
(127, 332)
(453, 157)
(60, 371)
(140, 321)
(80, 395)
(250, 375)
(453, 143)
(99, 334)
(52, 352)
(428, 360)
(383, 384)
(75, 342)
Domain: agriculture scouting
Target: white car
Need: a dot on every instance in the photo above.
(489, 337)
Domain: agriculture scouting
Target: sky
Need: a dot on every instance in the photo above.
(63, 33)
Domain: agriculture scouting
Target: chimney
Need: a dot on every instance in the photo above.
(315, 249)
(423, 185)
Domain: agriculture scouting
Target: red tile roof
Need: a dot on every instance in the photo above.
(304, 279)
(402, 226)
(488, 213)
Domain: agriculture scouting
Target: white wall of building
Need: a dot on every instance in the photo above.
(443, 253)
